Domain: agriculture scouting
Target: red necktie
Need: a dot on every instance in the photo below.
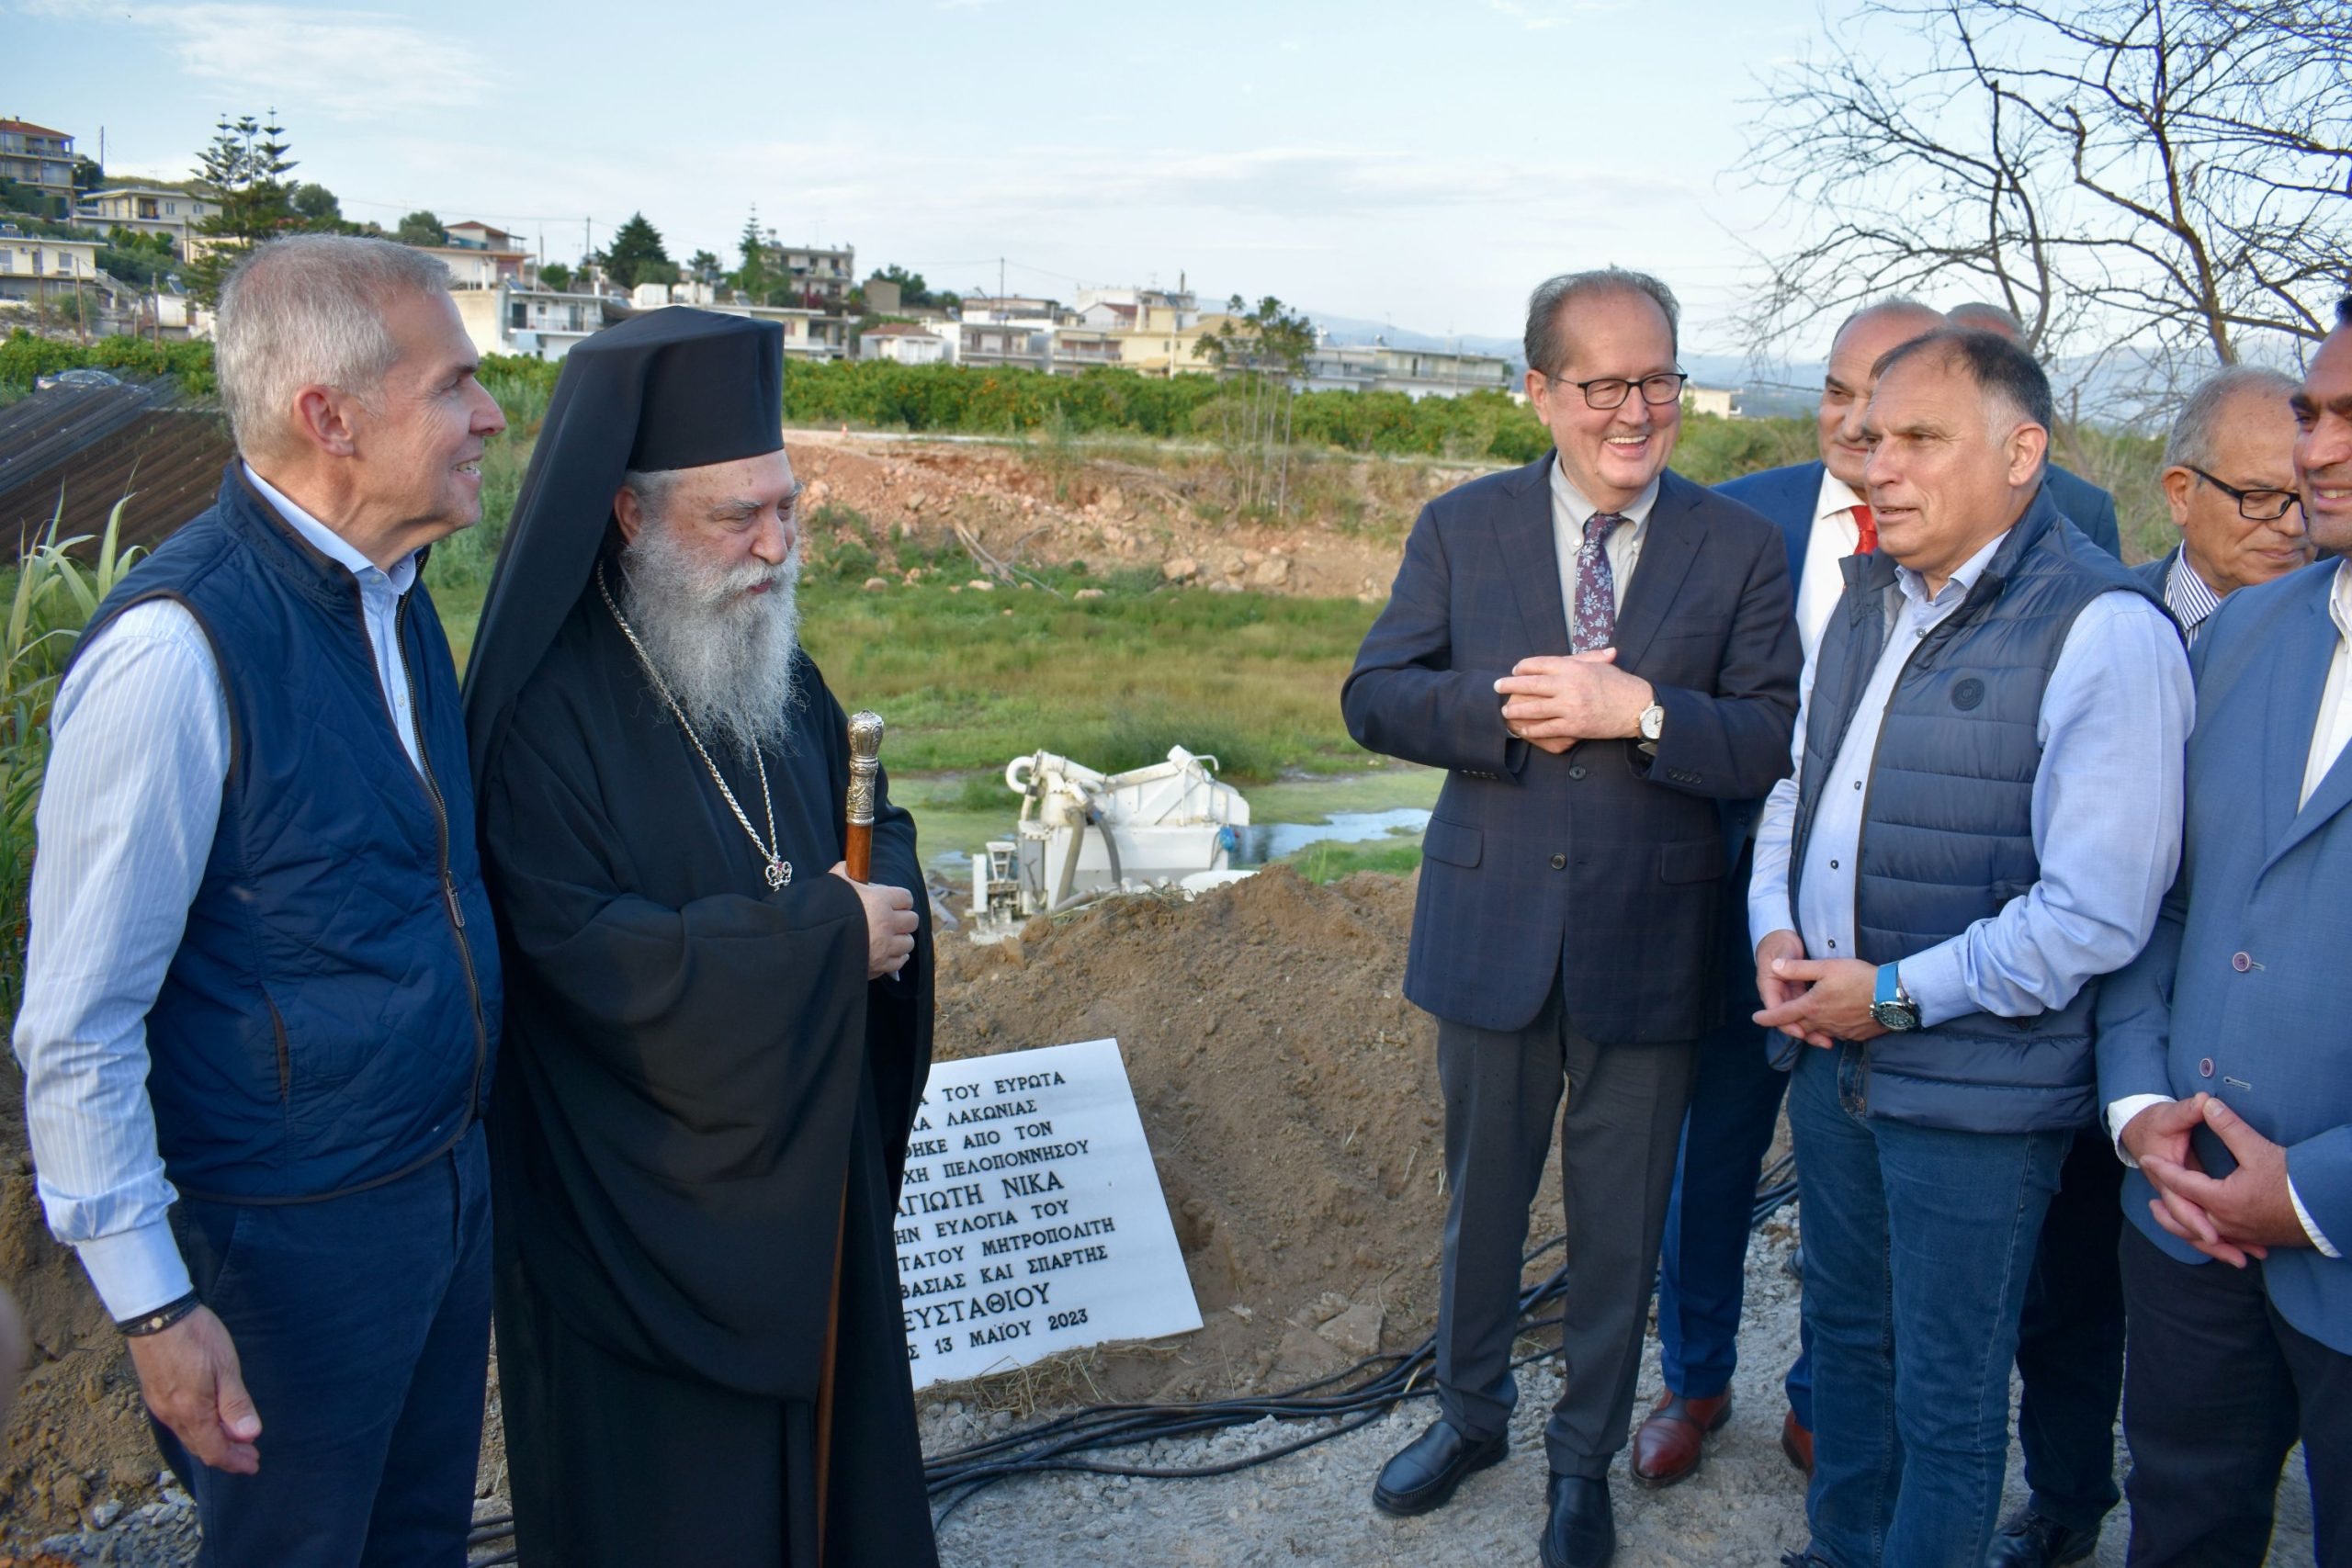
(1868, 525)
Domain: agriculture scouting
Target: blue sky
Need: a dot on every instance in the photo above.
(1422, 164)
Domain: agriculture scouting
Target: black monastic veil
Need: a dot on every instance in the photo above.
(697, 1080)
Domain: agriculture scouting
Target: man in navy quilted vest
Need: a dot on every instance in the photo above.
(261, 995)
(1983, 818)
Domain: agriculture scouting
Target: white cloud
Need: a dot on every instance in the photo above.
(350, 65)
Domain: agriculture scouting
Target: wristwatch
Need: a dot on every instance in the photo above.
(1891, 1004)
(1653, 724)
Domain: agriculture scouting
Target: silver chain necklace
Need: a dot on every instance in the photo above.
(779, 870)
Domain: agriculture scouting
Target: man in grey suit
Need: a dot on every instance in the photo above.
(2226, 1065)
(2229, 481)
(1598, 651)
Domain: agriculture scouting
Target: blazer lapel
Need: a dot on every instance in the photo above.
(1671, 545)
(2299, 663)
(1534, 561)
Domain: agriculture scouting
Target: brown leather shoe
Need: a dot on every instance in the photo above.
(1665, 1447)
(1796, 1442)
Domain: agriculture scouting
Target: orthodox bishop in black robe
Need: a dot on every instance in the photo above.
(702, 1111)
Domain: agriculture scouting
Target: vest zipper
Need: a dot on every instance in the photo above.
(1935, 633)
(1869, 787)
(285, 1058)
(441, 824)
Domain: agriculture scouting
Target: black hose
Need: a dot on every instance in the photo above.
(1375, 1385)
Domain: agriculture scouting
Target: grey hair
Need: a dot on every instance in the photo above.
(653, 487)
(1547, 348)
(308, 310)
(2191, 444)
(1979, 316)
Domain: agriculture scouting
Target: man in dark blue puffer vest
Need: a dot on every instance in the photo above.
(1985, 817)
(262, 997)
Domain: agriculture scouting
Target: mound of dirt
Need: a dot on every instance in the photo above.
(78, 1437)
(1288, 1091)
(1290, 1096)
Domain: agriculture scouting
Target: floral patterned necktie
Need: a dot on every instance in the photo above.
(1596, 610)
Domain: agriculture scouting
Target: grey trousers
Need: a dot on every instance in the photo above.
(1617, 1151)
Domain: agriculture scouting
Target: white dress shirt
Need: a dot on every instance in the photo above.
(1822, 582)
(2115, 713)
(125, 828)
(2332, 728)
(1570, 511)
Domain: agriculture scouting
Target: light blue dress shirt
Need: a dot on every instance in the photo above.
(2106, 813)
(125, 828)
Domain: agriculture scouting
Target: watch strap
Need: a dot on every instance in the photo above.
(163, 1317)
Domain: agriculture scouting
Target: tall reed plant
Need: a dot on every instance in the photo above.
(55, 598)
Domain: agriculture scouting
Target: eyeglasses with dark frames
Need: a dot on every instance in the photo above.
(2254, 505)
(1610, 391)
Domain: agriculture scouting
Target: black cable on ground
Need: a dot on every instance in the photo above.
(1359, 1396)
(1348, 1399)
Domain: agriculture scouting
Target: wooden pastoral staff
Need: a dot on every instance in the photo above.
(865, 729)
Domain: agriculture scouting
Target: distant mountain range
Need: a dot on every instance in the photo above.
(2128, 388)
(1706, 370)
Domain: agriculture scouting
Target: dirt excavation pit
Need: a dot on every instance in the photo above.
(1290, 1096)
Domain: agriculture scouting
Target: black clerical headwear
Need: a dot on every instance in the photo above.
(670, 389)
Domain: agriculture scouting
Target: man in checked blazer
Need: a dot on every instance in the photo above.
(1598, 651)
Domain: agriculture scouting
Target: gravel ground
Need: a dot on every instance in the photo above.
(1746, 1505)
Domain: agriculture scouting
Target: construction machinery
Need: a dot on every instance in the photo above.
(1083, 834)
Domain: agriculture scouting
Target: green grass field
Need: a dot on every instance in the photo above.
(969, 680)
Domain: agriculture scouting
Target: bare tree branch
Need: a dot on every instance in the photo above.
(2169, 177)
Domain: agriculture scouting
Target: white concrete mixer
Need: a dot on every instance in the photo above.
(1083, 834)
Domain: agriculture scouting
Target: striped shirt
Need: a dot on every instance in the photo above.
(125, 827)
(2187, 596)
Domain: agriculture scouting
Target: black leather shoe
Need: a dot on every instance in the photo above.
(1425, 1471)
(2036, 1541)
(1582, 1532)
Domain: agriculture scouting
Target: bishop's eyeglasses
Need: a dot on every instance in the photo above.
(1611, 392)
(2254, 505)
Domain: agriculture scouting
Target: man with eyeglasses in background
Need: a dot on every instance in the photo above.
(1598, 652)
(2229, 480)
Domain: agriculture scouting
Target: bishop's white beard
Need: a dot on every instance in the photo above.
(725, 652)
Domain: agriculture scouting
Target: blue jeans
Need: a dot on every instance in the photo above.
(361, 1327)
(1918, 1243)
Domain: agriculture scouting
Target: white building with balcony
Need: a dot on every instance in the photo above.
(479, 256)
(909, 342)
(148, 210)
(37, 270)
(1416, 372)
